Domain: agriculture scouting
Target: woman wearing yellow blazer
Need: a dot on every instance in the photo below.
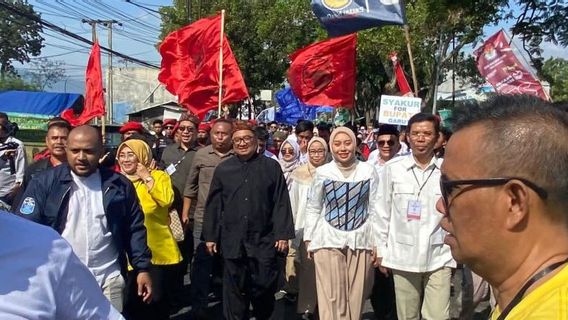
(155, 193)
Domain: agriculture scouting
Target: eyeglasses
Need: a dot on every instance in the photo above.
(447, 186)
(427, 135)
(316, 152)
(383, 142)
(188, 128)
(288, 150)
(169, 127)
(273, 126)
(245, 139)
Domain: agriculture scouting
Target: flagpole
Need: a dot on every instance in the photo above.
(409, 48)
(221, 62)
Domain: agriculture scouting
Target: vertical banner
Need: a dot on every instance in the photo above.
(499, 65)
(341, 17)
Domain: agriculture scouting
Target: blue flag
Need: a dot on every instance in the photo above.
(292, 110)
(340, 17)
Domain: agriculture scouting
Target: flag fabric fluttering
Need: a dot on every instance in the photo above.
(498, 64)
(401, 81)
(324, 73)
(94, 105)
(190, 67)
(341, 17)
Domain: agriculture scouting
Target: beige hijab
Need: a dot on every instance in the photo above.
(345, 170)
(305, 173)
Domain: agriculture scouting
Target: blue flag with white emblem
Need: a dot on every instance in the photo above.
(340, 17)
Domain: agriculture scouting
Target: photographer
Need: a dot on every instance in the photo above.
(12, 161)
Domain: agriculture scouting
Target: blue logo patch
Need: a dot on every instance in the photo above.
(28, 206)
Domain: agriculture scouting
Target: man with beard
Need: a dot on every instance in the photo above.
(248, 213)
(203, 135)
(55, 141)
(196, 191)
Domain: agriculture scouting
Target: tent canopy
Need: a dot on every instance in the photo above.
(38, 103)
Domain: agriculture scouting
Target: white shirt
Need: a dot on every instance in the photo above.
(7, 179)
(299, 191)
(270, 155)
(87, 228)
(41, 277)
(410, 244)
(318, 227)
(375, 159)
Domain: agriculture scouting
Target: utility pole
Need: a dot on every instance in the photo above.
(188, 10)
(108, 24)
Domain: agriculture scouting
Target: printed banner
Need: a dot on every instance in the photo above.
(341, 17)
(499, 65)
(398, 110)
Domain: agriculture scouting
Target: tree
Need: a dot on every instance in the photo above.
(14, 82)
(46, 73)
(555, 71)
(19, 37)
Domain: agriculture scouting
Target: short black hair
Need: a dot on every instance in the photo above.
(58, 122)
(157, 121)
(261, 133)
(304, 125)
(3, 115)
(323, 126)
(524, 137)
(272, 122)
(422, 117)
(223, 120)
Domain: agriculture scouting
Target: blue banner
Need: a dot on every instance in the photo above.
(340, 17)
(292, 110)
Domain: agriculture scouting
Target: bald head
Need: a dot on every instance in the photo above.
(84, 149)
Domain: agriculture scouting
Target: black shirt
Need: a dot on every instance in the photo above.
(248, 207)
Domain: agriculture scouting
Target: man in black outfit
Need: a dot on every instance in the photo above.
(248, 212)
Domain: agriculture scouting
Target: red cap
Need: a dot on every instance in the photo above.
(204, 127)
(131, 126)
(170, 122)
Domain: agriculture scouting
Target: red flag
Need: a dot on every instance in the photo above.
(190, 67)
(401, 81)
(497, 63)
(94, 105)
(324, 73)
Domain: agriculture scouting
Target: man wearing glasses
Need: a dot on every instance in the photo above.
(411, 239)
(505, 205)
(248, 212)
(388, 146)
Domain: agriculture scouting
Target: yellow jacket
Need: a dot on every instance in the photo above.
(155, 204)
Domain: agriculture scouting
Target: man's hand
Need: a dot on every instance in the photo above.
(309, 253)
(281, 245)
(382, 269)
(144, 286)
(211, 247)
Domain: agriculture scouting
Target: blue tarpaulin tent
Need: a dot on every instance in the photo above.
(37, 103)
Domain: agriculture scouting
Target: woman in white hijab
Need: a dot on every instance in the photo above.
(302, 179)
(289, 158)
(341, 229)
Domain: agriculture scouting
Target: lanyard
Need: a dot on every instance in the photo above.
(180, 160)
(425, 182)
(519, 296)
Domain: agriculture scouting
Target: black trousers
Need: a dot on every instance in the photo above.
(383, 298)
(163, 278)
(249, 280)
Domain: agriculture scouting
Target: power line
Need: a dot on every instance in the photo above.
(71, 34)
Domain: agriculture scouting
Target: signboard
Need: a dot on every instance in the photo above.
(398, 110)
(265, 95)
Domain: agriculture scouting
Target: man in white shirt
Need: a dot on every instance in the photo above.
(411, 239)
(96, 211)
(42, 278)
(388, 147)
(12, 162)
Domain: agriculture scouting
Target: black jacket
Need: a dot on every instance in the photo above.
(248, 208)
(46, 201)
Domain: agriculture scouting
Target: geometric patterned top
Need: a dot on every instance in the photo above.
(346, 203)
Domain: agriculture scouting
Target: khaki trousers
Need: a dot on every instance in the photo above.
(433, 286)
(307, 296)
(344, 280)
(292, 264)
(113, 289)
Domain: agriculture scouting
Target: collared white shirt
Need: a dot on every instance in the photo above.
(375, 159)
(41, 277)
(410, 244)
(87, 228)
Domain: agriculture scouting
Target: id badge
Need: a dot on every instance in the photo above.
(171, 169)
(414, 210)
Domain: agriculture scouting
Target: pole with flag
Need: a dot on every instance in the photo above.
(221, 36)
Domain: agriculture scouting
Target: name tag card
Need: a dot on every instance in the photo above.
(414, 210)
(171, 169)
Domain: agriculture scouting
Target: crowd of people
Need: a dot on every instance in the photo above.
(316, 216)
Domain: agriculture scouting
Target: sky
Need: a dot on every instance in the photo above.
(136, 37)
